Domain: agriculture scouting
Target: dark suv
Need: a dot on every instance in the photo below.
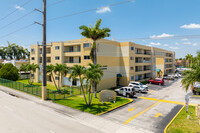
(196, 90)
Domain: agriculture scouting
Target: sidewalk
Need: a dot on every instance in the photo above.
(97, 122)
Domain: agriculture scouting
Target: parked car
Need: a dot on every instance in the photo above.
(140, 89)
(196, 88)
(126, 91)
(157, 81)
(133, 83)
(169, 77)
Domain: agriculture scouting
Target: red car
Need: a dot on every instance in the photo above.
(156, 81)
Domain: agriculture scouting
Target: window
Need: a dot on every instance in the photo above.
(86, 57)
(71, 59)
(57, 58)
(71, 49)
(131, 68)
(57, 78)
(79, 48)
(32, 50)
(132, 77)
(57, 47)
(131, 58)
(33, 58)
(132, 48)
(86, 45)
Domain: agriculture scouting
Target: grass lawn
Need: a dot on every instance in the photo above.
(183, 125)
(25, 81)
(78, 102)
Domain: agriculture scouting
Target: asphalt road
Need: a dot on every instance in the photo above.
(152, 111)
(23, 116)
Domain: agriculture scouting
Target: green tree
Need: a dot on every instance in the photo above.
(1, 65)
(79, 72)
(32, 69)
(189, 58)
(24, 68)
(93, 76)
(50, 70)
(193, 75)
(9, 71)
(61, 70)
(95, 33)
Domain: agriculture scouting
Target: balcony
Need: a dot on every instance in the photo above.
(72, 59)
(71, 49)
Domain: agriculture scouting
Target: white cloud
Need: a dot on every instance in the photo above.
(174, 48)
(19, 7)
(184, 39)
(176, 43)
(190, 26)
(103, 9)
(165, 45)
(187, 43)
(153, 44)
(163, 35)
(194, 44)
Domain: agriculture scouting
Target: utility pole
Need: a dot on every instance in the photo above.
(44, 81)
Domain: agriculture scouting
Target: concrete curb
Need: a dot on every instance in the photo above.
(165, 131)
(130, 101)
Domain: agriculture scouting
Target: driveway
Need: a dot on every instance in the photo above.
(154, 110)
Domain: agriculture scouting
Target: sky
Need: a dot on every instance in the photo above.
(146, 22)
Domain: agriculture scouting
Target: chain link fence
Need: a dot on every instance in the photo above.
(36, 90)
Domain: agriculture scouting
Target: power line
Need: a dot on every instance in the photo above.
(16, 20)
(15, 10)
(88, 10)
(55, 3)
(25, 27)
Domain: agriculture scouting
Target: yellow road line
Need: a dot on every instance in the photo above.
(131, 109)
(166, 101)
(148, 98)
(133, 117)
(174, 102)
(195, 96)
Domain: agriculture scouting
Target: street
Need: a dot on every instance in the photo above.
(154, 110)
(23, 116)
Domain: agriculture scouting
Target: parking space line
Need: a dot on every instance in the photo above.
(133, 117)
(148, 98)
(166, 101)
(131, 109)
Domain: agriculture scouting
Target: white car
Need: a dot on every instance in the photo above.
(138, 84)
(139, 88)
(126, 91)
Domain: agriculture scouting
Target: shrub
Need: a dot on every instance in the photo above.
(1, 65)
(10, 72)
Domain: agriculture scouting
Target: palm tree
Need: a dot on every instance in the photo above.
(3, 53)
(95, 33)
(189, 58)
(193, 75)
(79, 72)
(61, 70)
(93, 76)
(32, 68)
(24, 68)
(50, 68)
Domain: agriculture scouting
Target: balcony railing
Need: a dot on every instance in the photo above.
(68, 51)
(72, 62)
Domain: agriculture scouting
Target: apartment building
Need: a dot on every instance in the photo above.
(121, 62)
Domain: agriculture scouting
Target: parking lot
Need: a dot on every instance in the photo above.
(152, 111)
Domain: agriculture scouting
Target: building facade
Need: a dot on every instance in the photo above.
(121, 62)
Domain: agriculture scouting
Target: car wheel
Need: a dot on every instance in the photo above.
(139, 92)
(149, 82)
(160, 84)
(197, 93)
(127, 95)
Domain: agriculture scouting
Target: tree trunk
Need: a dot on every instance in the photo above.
(95, 62)
(91, 96)
(54, 81)
(83, 91)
